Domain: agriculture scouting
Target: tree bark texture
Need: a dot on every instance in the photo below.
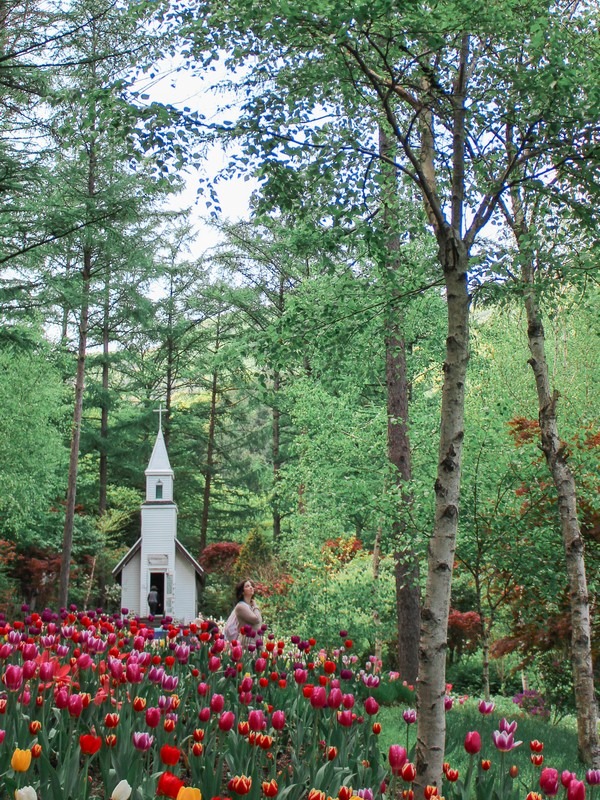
(453, 256)
(431, 730)
(556, 458)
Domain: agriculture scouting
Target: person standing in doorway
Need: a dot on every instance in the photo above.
(153, 600)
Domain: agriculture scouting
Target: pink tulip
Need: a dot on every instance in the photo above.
(169, 683)
(13, 677)
(397, 757)
(214, 664)
(486, 707)
(75, 705)
(2, 735)
(246, 684)
(566, 777)
(335, 698)
(204, 714)
(6, 651)
(504, 742)
(345, 718)
(256, 720)
(61, 698)
(133, 673)
(300, 675)
(348, 701)
(217, 703)
(507, 727)
(409, 715)
(278, 720)
(473, 742)
(576, 790)
(30, 651)
(318, 698)
(549, 781)
(260, 665)
(152, 716)
(448, 703)
(236, 652)
(115, 667)
(203, 689)
(226, 721)
(85, 661)
(46, 671)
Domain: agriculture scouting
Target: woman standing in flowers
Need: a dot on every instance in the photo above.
(245, 619)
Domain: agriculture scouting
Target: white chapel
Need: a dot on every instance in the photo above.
(158, 559)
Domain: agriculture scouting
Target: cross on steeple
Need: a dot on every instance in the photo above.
(159, 411)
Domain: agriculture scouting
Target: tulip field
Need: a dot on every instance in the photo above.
(102, 706)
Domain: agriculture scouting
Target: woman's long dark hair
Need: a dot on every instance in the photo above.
(239, 589)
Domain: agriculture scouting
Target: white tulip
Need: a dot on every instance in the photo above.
(122, 791)
(26, 793)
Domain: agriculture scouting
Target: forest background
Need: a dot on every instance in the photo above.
(302, 360)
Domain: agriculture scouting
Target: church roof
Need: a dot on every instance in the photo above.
(159, 460)
(133, 551)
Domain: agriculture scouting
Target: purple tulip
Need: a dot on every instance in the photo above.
(142, 741)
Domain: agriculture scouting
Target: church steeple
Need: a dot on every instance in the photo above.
(159, 475)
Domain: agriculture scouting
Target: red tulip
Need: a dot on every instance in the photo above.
(270, 788)
(408, 772)
(90, 744)
(169, 755)
(169, 785)
(240, 784)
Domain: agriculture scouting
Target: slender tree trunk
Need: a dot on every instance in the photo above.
(67, 546)
(102, 501)
(170, 377)
(408, 601)
(564, 483)
(376, 565)
(210, 449)
(556, 458)
(453, 256)
(434, 616)
(276, 458)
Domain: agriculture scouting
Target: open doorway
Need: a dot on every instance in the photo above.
(157, 579)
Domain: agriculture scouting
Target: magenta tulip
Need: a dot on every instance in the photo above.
(256, 720)
(409, 715)
(226, 721)
(278, 720)
(152, 716)
(371, 706)
(549, 783)
(335, 698)
(318, 697)
(13, 677)
(473, 742)
(217, 703)
(345, 717)
(397, 757)
(576, 790)
(214, 664)
(592, 777)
